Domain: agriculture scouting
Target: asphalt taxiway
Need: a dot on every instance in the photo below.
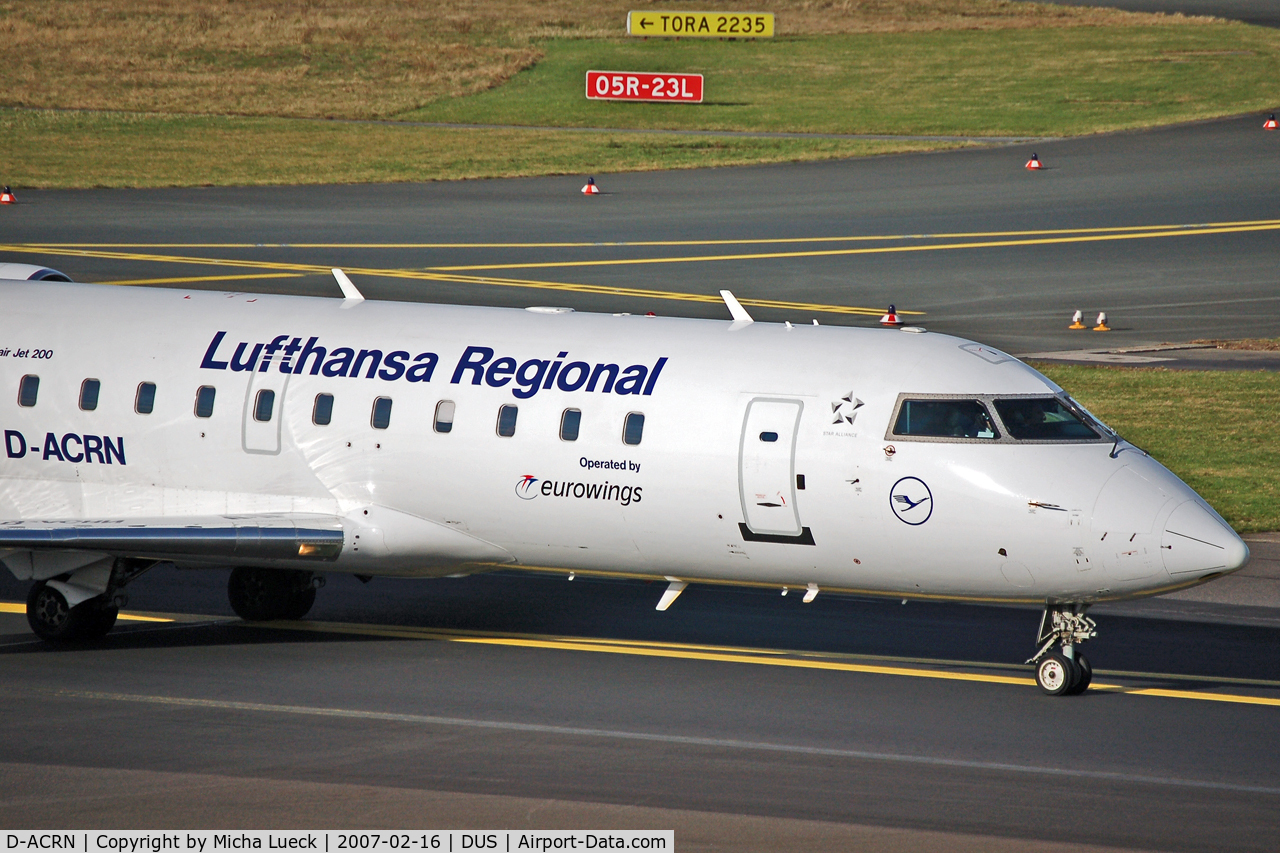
(1171, 232)
(741, 718)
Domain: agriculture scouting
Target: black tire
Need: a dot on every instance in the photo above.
(1056, 674)
(264, 595)
(53, 621)
(1084, 675)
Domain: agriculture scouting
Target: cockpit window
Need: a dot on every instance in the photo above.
(1043, 419)
(944, 419)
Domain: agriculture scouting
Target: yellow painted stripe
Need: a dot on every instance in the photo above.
(960, 235)
(16, 607)
(759, 657)
(420, 275)
(877, 250)
(199, 278)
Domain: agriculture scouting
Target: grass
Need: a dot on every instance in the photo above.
(1213, 429)
(1040, 82)
(211, 81)
(67, 150)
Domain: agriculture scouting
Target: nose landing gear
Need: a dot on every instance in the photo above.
(1065, 672)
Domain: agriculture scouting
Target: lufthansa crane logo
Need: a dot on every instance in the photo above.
(911, 500)
(525, 489)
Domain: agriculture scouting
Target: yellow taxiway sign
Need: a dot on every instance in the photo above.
(701, 24)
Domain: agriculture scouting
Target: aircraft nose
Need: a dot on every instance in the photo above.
(1197, 542)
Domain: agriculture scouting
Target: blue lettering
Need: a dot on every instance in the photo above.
(632, 380)
(51, 448)
(529, 384)
(611, 369)
(564, 383)
(293, 347)
(375, 356)
(69, 437)
(241, 366)
(11, 435)
(272, 348)
(93, 447)
(467, 362)
(211, 351)
(112, 450)
(339, 361)
(653, 377)
(393, 366)
(551, 374)
(422, 372)
(309, 350)
(500, 372)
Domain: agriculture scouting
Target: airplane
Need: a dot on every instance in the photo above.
(286, 436)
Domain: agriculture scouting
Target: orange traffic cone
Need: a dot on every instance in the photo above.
(1102, 323)
(1075, 321)
(6, 197)
(1034, 163)
(1270, 123)
(590, 187)
(891, 318)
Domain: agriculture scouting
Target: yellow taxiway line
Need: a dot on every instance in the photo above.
(762, 241)
(17, 607)
(932, 669)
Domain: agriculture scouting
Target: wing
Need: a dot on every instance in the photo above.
(239, 537)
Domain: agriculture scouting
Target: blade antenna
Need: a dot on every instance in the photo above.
(348, 289)
(736, 310)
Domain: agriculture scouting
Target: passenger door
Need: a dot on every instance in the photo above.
(766, 466)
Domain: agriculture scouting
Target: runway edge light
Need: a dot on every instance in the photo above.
(890, 318)
(1270, 123)
(6, 197)
(590, 188)
(1076, 321)
(1102, 323)
(1034, 162)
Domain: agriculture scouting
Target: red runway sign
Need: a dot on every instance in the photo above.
(643, 86)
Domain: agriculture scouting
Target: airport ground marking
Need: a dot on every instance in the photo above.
(763, 657)
(193, 279)
(748, 241)
(16, 607)
(650, 737)
(875, 250)
(423, 275)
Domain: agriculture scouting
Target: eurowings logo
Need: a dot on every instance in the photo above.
(525, 489)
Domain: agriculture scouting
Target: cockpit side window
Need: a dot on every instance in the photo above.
(1042, 419)
(944, 419)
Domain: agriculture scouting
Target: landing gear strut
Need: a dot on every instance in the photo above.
(264, 595)
(1065, 672)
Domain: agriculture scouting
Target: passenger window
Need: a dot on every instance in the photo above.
(28, 389)
(204, 401)
(768, 436)
(264, 404)
(570, 421)
(633, 429)
(507, 421)
(145, 400)
(381, 413)
(322, 411)
(444, 416)
(1044, 419)
(944, 419)
(89, 394)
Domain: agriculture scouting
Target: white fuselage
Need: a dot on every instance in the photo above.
(704, 495)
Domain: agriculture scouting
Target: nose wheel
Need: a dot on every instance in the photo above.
(1064, 671)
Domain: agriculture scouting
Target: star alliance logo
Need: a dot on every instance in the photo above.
(845, 409)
